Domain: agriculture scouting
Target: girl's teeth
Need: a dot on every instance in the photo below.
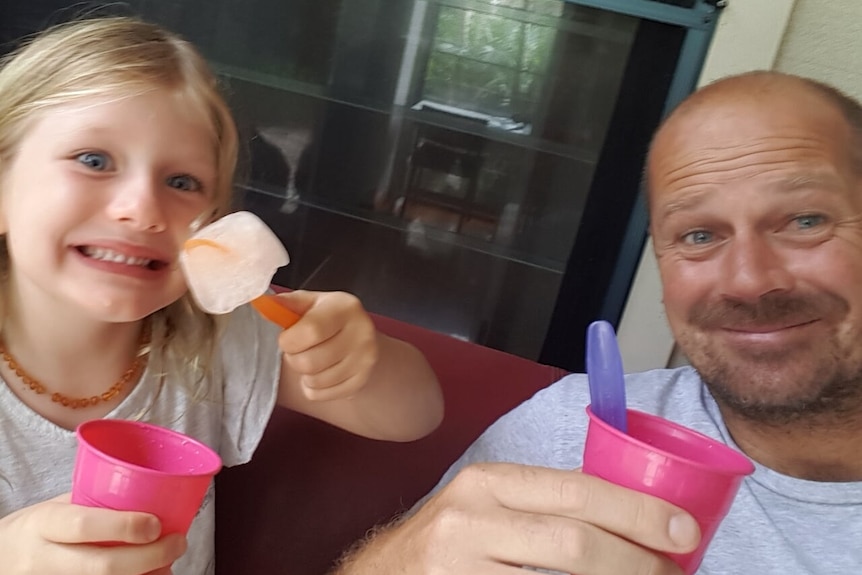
(106, 255)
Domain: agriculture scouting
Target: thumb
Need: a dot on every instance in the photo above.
(299, 301)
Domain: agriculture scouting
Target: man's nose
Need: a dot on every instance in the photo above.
(752, 268)
(137, 202)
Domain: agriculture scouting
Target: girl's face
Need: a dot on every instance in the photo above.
(99, 198)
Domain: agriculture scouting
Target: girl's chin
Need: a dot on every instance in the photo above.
(119, 309)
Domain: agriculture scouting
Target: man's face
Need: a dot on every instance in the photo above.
(757, 224)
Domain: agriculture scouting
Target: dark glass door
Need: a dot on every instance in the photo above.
(472, 166)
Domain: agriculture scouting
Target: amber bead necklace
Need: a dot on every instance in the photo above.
(37, 387)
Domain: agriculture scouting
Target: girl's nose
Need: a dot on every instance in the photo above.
(137, 203)
(753, 268)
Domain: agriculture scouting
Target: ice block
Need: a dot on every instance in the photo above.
(231, 262)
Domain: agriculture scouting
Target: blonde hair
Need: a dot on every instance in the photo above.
(122, 56)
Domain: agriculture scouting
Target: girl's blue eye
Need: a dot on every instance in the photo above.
(94, 160)
(187, 183)
(698, 237)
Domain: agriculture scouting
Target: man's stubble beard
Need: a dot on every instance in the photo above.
(816, 381)
(820, 392)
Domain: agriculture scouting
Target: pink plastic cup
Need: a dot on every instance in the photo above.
(134, 466)
(677, 464)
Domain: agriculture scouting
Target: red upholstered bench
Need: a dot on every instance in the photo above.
(312, 490)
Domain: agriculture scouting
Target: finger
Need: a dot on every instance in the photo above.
(344, 390)
(323, 384)
(341, 355)
(310, 332)
(68, 523)
(643, 519)
(505, 537)
(316, 359)
(311, 328)
(331, 313)
(571, 546)
(350, 372)
(125, 559)
(299, 301)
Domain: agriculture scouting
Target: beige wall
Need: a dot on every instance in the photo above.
(748, 37)
(824, 41)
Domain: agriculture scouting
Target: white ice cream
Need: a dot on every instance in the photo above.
(231, 261)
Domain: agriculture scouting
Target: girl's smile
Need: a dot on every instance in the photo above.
(116, 258)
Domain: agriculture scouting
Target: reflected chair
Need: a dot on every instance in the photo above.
(444, 168)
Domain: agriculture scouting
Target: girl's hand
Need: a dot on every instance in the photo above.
(332, 350)
(338, 368)
(60, 538)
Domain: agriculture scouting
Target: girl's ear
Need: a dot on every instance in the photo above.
(3, 225)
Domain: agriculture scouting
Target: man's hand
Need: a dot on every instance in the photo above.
(495, 518)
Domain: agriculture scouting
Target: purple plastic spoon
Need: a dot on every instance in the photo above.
(605, 374)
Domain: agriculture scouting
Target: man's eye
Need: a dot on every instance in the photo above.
(698, 237)
(94, 160)
(188, 183)
(808, 221)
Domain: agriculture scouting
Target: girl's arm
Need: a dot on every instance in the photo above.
(338, 368)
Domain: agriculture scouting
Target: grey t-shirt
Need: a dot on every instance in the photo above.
(778, 525)
(37, 457)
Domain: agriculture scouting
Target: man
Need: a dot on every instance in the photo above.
(755, 196)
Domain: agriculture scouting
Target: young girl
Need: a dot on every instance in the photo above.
(114, 144)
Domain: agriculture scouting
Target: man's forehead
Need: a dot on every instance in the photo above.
(736, 140)
(739, 116)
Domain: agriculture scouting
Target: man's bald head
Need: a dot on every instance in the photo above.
(746, 91)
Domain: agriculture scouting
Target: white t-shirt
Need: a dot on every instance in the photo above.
(37, 457)
(778, 525)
